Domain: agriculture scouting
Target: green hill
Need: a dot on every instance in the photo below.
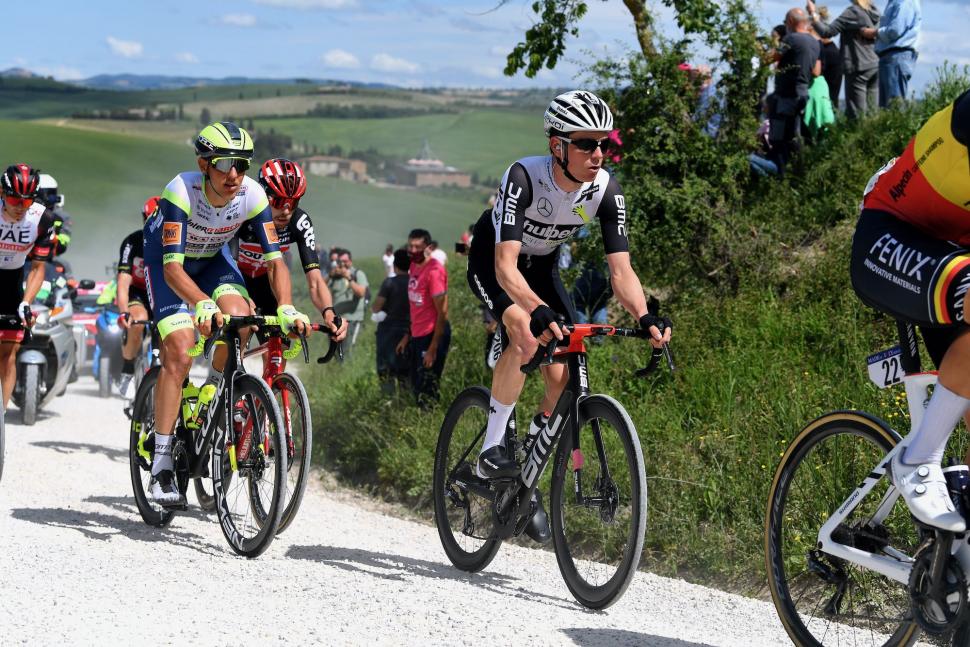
(106, 178)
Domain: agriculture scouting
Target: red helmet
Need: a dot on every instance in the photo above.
(20, 181)
(283, 180)
(151, 204)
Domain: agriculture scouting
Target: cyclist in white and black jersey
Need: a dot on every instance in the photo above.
(512, 266)
(26, 236)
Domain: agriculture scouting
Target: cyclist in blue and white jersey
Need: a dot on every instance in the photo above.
(187, 261)
(542, 202)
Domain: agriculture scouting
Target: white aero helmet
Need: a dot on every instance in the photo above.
(47, 191)
(577, 110)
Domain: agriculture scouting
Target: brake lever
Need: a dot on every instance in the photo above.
(210, 342)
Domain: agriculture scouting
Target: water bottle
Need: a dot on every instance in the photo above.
(957, 482)
(206, 393)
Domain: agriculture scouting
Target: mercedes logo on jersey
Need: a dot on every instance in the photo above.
(544, 207)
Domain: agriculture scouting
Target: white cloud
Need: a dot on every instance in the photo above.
(238, 19)
(187, 57)
(125, 48)
(309, 4)
(487, 72)
(388, 63)
(340, 59)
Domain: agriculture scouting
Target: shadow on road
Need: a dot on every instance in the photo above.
(593, 637)
(17, 419)
(67, 447)
(397, 567)
(101, 526)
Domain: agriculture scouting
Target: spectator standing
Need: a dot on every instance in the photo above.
(430, 335)
(348, 285)
(859, 61)
(591, 294)
(831, 58)
(798, 64)
(393, 316)
(388, 260)
(437, 253)
(896, 39)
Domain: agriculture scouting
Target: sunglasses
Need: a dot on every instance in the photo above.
(588, 145)
(282, 203)
(16, 201)
(226, 164)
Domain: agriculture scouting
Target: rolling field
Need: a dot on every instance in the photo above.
(106, 178)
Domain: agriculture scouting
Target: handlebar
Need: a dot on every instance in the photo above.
(545, 353)
(204, 345)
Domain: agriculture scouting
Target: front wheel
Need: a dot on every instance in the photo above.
(249, 469)
(821, 599)
(31, 393)
(598, 503)
(141, 443)
(294, 406)
(463, 518)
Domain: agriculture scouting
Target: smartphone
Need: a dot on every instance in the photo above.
(461, 248)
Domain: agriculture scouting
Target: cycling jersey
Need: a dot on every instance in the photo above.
(30, 237)
(131, 258)
(191, 227)
(299, 231)
(928, 185)
(531, 208)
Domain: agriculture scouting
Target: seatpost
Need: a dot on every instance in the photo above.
(909, 345)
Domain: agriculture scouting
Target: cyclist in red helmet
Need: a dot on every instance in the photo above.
(284, 183)
(26, 235)
(132, 297)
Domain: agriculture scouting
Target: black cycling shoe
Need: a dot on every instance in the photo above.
(165, 490)
(538, 527)
(494, 464)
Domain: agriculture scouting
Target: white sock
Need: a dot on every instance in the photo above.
(498, 418)
(163, 454)
(939, 420)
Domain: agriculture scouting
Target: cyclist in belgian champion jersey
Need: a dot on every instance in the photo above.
(26, 235)
(187, 261)
(132, 297)
(285, 183)
(911, 259)
(512, 263)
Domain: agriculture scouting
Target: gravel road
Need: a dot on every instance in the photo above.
(79, 567)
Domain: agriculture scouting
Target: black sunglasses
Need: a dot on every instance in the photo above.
(226, 164)
(588, 145)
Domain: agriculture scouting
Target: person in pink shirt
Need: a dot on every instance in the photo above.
(430, 331)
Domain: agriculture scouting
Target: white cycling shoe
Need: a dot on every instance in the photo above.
(924, 489)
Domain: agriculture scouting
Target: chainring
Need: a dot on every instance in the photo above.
(937, 615)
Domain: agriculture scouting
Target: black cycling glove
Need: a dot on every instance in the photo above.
(540, 319)
(662, 323)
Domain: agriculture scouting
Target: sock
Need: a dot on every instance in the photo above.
(939, 420)
(163, 454)
(498, 418)
(128, 366)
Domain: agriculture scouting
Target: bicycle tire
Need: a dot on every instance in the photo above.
(297, 461)
(104, 376)
(143, 422)
(205, 498)
(449, 496)
(622, 510)
(791, 547)
(245, 537)
(31, 394)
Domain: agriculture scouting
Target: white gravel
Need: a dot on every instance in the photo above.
(78, 566)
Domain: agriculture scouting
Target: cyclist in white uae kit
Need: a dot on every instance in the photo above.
(26, 235)
(512, 268)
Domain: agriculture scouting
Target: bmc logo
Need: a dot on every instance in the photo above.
(172, 233)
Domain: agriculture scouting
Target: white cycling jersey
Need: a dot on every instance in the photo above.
(32, 235)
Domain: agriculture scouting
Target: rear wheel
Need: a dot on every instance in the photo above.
(141, 443)
(249, 482)
(31, 393)
(598, 502)
(463, 518)
(821, 599)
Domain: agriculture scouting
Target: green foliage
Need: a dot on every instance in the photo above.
(544, 41)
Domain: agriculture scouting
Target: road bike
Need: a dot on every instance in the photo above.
(847, 563)
(245, 437)
(598, 521)
(294, 407)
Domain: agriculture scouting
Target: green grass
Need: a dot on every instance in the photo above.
(483, 141)
(107, 177)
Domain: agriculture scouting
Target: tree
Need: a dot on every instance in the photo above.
(181, 112)
(205, 117)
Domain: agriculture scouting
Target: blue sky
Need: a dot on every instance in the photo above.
(406, 42)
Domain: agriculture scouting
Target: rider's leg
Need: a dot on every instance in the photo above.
(917, 471)
(231, 303)
(129, 352)
(8, 369)
(168, 396)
